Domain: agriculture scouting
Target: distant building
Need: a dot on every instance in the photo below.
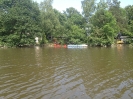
(123, 39)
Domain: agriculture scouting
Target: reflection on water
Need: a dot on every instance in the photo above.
(50, 73)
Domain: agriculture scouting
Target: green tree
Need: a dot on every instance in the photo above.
(88, 7)
(120, 16)
(50, 21)
(104, 29)
(76, 35)
(74, 26)
(19, 21)
(129, 10)
(102, 5)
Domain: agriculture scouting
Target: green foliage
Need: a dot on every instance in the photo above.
(76, 35)
(120, 16)
(19, 22)
(105, 20)
(23, 20)
(129, 10)
(50, 19)
(88, 7)
(104, 29)
(75, 26)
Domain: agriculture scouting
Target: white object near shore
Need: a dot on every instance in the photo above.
(37, 40)
(77, 46)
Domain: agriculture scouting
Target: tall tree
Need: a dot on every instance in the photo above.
(129, 10)
(50, 21)
(104, 29)
(88, 7)
(19, 22)
(74, 26)
(102, 5)
(120, 15)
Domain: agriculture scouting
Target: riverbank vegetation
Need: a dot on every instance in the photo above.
(98, 25)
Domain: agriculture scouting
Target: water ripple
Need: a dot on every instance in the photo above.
(66, 74)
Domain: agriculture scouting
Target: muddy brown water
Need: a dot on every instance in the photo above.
(59, 73)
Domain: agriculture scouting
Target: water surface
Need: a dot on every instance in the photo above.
(59, 73)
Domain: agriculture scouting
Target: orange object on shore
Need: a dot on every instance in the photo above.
(59, 46)
(54, 45)
(65, 46)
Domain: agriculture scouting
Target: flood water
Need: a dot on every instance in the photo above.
(59, 73)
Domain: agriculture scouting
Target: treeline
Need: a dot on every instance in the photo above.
(23, 20)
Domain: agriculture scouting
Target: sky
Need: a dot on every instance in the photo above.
(61, 5)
